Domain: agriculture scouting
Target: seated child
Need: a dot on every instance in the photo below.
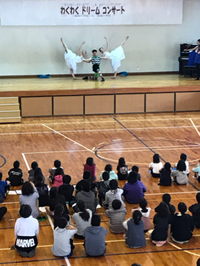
(195, 210)
(196, 171)
(135, 168)
(57, 180)
(135, 231)
(95, 244)
(103, 187)
(167, 198)
(122, 169)
(67, 190)
(63, 243)
(58, 213)
(145, 211)
(179, 175)
(4, 188)
(91, 167)
(43, 191)
(112, 174)
(165, 175)
(57, 164)
(15, 175)
(156, 166)
(184, 158)
(31, 172)
(86, 176)
(117, 216)
(112, 194)
(182, 225)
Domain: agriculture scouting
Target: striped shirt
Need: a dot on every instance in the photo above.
(95, 60)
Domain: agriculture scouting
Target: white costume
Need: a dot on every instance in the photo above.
(115, 56)
(72, 60)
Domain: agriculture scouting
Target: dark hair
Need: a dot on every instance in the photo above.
(183, 157)
(54, 194)
(162, 210)
(143, 205)
(1, 175)
(121, 161)
(181, 166)
(100, 49)
(90, 161)
(66, 179)
(38, 171)
(166, 198)
(167, 167)
(182, 207)
(94, 50)
(38, 179)
(105, 176)
(113, 184)
(25, 211)
(59, 171)
(198, 197)
(108, 168)
(156, 158)
(137, 216)
(62, 222)
(57, 163)
(96, 220)
(135, 168)
(198, 261)
(59, 209)
(132, 177)
(116, 204)
(34, 165)
(16, 164)
(27, 189)
(135, 264)
(86, 175)
(83, 213)
(86, 185)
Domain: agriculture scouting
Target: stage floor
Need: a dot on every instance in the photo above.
(132, 84)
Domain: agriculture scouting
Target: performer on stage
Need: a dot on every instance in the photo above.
(197, 59)
(72, 59)
(115, 56)
(95, 59)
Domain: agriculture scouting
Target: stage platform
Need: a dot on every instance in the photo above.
(132, 94)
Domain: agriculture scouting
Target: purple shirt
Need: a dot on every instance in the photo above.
(134, 192)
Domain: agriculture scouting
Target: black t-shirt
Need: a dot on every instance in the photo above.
(182, 227)
(79, 185)
(160, 231)
(195, 210)
(43, 195)
(15, 176)
(165, 178)
(54, 202)
(66, 190)
(122, 172)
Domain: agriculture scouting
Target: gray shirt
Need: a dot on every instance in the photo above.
(88, 198)
(31, 201)
(80, 223)
(117, 218)
(112, 195)
(95, 240)
(180, 177)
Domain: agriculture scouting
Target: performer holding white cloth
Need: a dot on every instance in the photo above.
(115, 56)
(73, 59)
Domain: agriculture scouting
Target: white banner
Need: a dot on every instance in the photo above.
(93, 12)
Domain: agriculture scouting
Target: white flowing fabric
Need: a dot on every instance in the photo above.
(72, 60)
(115, 56)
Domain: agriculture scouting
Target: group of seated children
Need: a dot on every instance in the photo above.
(84, 198)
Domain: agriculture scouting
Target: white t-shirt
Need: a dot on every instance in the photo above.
(156, 167)
(26, 227)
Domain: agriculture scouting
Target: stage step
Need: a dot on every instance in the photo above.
(8, 100)
(9, 110)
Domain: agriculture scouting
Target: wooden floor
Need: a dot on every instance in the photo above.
(66, 85)
(72, 140)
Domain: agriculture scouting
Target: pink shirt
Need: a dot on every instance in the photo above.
(91, 169)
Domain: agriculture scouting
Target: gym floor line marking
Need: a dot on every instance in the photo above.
(94, 130)
(195, 127)
(27, 165)
(75, 142)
